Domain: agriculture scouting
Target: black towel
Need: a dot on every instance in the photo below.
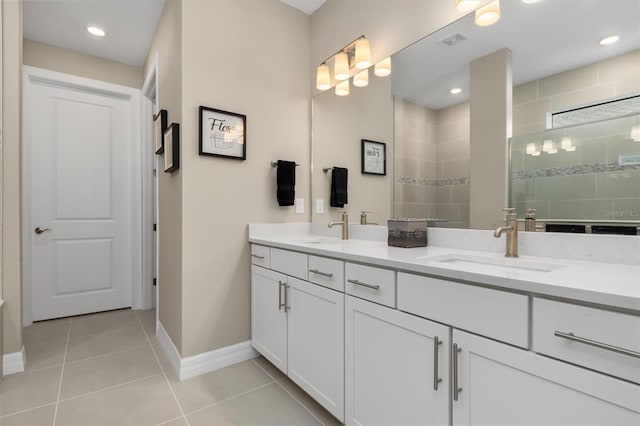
(286, 182)
(339, 187)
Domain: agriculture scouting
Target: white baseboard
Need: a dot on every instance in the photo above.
(205, 362)
(14, 362)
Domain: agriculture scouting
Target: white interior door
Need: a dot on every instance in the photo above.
(81, 185)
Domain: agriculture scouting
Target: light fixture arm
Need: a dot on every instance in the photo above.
(346, 49)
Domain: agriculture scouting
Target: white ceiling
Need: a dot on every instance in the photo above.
(307, 6)
(130, 25)
(545, 38)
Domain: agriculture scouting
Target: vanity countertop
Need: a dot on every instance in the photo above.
(604, 283)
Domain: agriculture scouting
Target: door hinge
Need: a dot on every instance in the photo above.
(154, 282)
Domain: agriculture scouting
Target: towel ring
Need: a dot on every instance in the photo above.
(275, 164)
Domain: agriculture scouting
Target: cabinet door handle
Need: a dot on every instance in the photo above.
(324, 274)
(356, 282)
(436, 342)
(280, 304)
(257, 256)
(616, 349)
(456, 389)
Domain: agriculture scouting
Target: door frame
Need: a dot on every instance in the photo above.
(141, 288)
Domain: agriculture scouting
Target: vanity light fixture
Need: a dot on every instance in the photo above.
(531, 148)
(635, 133)
(342, 88)
(363, 54)
(96, 31)
(341, 66)
(465, 6)
(547, 146)
(488, 14)
(323, 77)
(567, 145)
(361, 79)
(455, 91)
(609, 40)
(383, 68)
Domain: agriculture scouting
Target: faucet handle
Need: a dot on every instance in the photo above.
(532, 213)
(510, 213)
(365, 212)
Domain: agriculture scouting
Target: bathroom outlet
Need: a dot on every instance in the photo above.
(299, 205)
(319, 206)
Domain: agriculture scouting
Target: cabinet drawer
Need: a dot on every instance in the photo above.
(371, 283)
(260, 255)
(327, 272)
(496, 314)
(605, 332)
(289, 262)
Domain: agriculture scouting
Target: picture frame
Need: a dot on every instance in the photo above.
(160, 125)
(222, 134)
(374, 157)
(172, 148)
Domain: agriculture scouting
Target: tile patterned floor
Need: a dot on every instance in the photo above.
(107, 369)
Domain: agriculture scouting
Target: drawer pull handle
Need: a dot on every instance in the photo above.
(456, 389)
(616, 349)
(356, 282)
(324, 274)
(257, 256)
(436, 342)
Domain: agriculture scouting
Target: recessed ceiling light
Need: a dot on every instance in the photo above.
(609, 40)
(98, 32)
(530, 1)
(455, 91)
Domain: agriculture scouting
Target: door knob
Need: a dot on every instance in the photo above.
(39, 230)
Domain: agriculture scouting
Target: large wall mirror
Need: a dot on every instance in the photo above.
(556, 65)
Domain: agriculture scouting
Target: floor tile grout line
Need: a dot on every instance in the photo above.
(170, 420)
(289, 393)
(84, 336)
(231, 398)
(110, 387)
(173, 393)
(27, 410)
(300, 402)
(64, 359)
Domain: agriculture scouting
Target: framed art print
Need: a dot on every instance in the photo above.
(222, 134)
(160, 125)
(374, 158)
(172, 148)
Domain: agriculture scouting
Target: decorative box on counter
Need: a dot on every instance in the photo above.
(407, 232)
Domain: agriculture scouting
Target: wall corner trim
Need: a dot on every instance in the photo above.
(205, 362)
(14, 362)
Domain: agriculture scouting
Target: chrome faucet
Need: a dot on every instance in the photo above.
(530, 221)
(344, 223)
(511, 219)
(363, 219)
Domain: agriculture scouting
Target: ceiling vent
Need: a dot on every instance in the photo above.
(453, 40)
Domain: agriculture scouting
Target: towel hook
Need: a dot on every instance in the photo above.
(326, 169)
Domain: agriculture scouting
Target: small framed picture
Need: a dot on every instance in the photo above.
(374, 158)
(222, 133)
(160, 122)
(172, 148)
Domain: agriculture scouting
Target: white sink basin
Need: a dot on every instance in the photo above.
(494, 263)
(325, 240)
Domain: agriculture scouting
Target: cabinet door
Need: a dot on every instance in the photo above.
(392, 365)
(316, 343)
(503, 385)
(268, 315)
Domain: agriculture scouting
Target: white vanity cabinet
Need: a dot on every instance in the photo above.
(299, 327)
(397, 367)
(502, 385)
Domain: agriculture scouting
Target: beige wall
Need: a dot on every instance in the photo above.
(167, 42)
(67, 61)
(339, 125)
(11, 224)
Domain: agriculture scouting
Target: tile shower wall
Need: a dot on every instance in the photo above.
(432, 163)
(589, 183)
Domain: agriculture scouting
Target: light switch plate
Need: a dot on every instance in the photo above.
(299, 205)
(319, 206)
